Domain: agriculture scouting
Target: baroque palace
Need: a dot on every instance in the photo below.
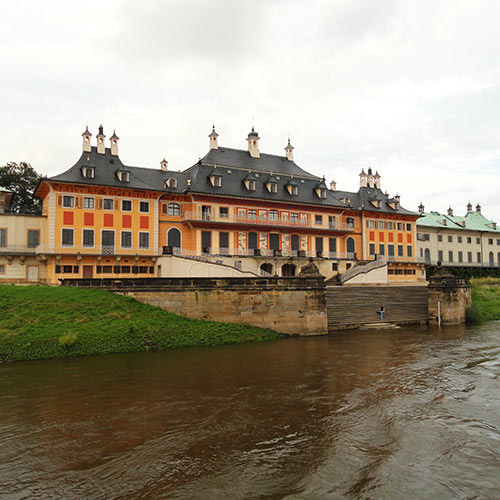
(234, 213)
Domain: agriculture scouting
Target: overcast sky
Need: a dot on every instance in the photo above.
(410, 88)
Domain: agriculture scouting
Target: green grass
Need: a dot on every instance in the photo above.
(485, 300)
(51, 322)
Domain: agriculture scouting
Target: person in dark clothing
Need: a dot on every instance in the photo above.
(381, 311)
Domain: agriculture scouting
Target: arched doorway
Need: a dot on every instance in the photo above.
(351, 245)
(174, 238)
(266, 269)
(288, 270)
(492, 259)
(427, 256)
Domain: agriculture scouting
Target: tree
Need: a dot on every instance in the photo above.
(22, 179)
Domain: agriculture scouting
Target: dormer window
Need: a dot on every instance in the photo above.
(347, 201)
(123, 175)
(292, 188)
(216, 180)
(250, 184)
(321, 193)
(376, 203)
(88, 172)
(171, 183)
(272, 187)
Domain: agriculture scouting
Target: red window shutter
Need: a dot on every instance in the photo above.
(144, 222)
(408, 238)
(381, 236)
(391, 237)
(68, 218)
(88, 219)
(372, 235)
(127, 221)
(400, 238)
(108, 220)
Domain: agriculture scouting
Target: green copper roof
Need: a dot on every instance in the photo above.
(473, 221)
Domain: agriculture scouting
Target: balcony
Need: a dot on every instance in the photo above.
(105, 250)
(203, 216)
(18, 250)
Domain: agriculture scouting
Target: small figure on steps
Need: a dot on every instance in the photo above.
(381, 311)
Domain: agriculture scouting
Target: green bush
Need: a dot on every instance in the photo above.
(485, 301)
(67, 340)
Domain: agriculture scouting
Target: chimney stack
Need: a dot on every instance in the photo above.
(253, 144)
(101, 147)
(478, 208)
(469, 208)
(86, 145)
(289, 151)
(114, 144)
(164, 165)
(421, 208)
(333, 186)
(450, 211)
(363, 179)
(376, 179)
(213, 139)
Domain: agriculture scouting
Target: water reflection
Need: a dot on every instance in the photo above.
(409, 413)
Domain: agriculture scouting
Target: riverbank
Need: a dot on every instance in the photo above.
(52, 322)
(485, 300)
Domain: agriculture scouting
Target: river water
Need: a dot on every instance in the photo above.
(412, 413)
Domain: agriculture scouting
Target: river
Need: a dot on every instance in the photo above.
(411, 413)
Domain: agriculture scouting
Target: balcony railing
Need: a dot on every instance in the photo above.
(249, 252)
(18, 249)
(259, 221)
(96, 250)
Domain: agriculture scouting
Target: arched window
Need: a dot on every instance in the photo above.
(172, 183)
(174, 209)
(492, 259)
(266, 269)
(351, 245)
(350, 222)
(174, 238)
(427, 255)
(288, 270)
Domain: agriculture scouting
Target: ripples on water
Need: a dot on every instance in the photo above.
(400, 414)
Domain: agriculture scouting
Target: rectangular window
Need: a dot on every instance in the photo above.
(107, 204)
(335, 266)
(400, 251)
(252, 214)
(88, 237)
(224, 212)
(381, 249)
(143, 240)
(241, 213)
(469, 257)
(440, 256)
(262, 214)
(332, 245)
(126, 239)
(371, 248)
(331, 222)
(459, 239)
(440, 237)
(478, 241)
(274, 241)
(409, 250)
(33, 238)
(469, 239)
(400, 226)
(408, 226)
(318, 219)
(67, 269)
(490, 241)
(3, 237)
(450, 256)
(126, 205)
(2, 268)
(390, 250)
(224, 241)
(498, 242)
(144, 207)
(206, 241)
(294, 217)
(67, 237)
(450, 239)
(319, 244)
(460, 257)
(273, 215)
(107, 269)
(390, 225)
(479, 257)
(371, 224)
(380, 224)
(68, 201)
(126, 269)
(88, 203)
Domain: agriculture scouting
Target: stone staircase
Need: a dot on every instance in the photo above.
(350, 307)
(361, 268)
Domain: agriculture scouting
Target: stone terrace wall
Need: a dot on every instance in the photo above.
(288, 305)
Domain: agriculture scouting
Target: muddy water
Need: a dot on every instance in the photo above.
(400, 414)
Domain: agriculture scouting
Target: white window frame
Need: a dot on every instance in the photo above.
(69, 197)
(140, 207)
(62, 232)
(131, 238)
(131, 205)
(112, 203)
(149, 240)
(83, 239)
(89, 199)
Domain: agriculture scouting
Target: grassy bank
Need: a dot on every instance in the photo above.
(51, 322)
(485, 300)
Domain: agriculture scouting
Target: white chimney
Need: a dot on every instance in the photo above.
(363, 179)
(101, 147)
(289, 151)
(86, 145)
(164, 165)
(333, 186)
(253, 144)
(114, 144)
(213, 139)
